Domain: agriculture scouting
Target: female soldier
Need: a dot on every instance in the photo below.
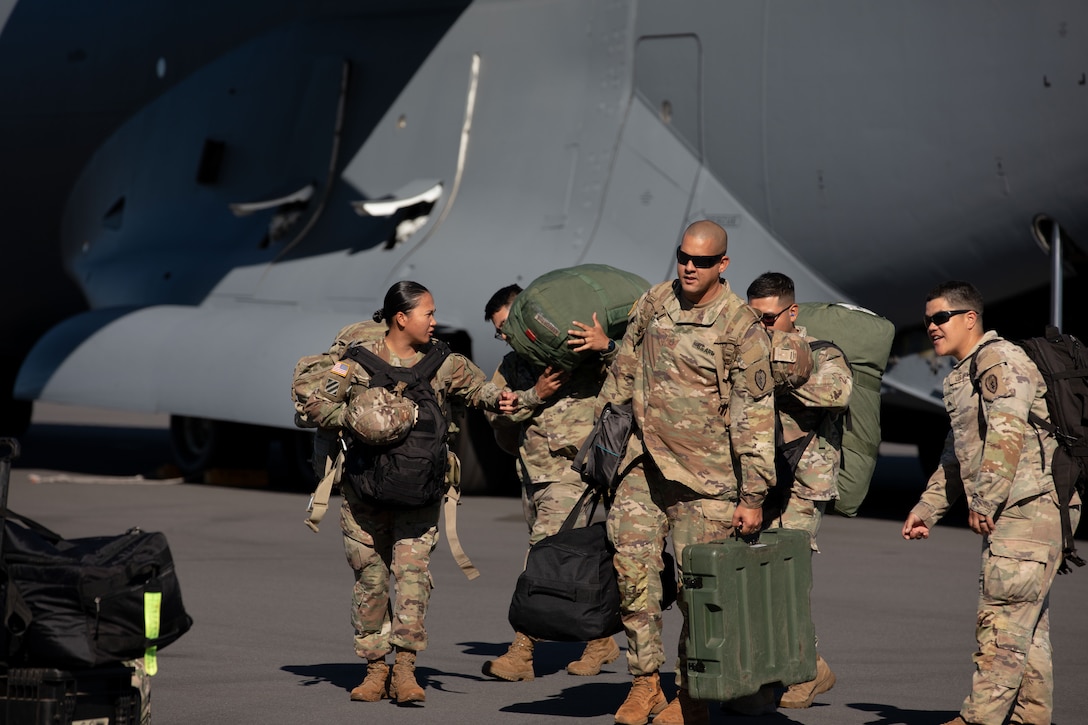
(381, 540)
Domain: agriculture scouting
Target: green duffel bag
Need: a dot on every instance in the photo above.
(866, 338)
(541, 315)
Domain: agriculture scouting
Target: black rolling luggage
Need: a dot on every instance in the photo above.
(46, 696)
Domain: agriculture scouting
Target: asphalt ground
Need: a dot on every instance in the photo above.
(272, 639)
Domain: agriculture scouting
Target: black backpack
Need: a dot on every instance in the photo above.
(1063, 363)
(411, 473)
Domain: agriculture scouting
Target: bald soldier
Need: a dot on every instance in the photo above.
(1001, 462)
(703, 457)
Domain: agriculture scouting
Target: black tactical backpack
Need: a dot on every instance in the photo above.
(411, 473)
(1063, 363)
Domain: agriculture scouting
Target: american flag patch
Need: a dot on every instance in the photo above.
(341, 369)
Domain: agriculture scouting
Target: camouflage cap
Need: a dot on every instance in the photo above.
(791, 359)
(379, 417)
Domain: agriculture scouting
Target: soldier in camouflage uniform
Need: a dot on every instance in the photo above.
(1003, 465)
(381, 541)
(813, 409)
(545, 434)
(695, 364)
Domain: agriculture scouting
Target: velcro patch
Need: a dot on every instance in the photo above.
(784, 354)
(341, 368)
(546, 323)
(993, 383)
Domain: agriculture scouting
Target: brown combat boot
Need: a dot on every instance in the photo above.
(598, 652)
(376, 685)
(643, 701)
(402, 685)
(801, 695)
(516, 664)
(684, 711)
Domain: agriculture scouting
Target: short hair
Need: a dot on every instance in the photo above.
(403, 297)
(772, 284)
(501, 299)
(961, 295)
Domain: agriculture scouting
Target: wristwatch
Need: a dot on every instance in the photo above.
(611, 347)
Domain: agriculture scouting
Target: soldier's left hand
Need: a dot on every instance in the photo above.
(980, 524)
(508, 402)
(588, 337)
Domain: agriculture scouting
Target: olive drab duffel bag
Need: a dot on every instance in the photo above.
(541, 315)
(866, 339)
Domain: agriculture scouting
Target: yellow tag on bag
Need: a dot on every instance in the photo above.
(152, 615)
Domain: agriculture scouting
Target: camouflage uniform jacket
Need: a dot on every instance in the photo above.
(458, 376)
(1013, 462)
(716, 440)
(817, 404)
(550, 432)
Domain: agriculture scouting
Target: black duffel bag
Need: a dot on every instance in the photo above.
(568, 591)
(86, 597)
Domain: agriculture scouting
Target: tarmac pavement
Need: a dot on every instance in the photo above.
(272, 639)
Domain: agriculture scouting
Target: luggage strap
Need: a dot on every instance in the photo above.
(319, 499)
(449, 512)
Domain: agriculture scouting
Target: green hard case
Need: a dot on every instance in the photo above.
(750, 622)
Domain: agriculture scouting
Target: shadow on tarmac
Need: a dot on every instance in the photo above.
(890, 715)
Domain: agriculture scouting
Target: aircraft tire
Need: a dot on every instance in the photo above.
(200, 444)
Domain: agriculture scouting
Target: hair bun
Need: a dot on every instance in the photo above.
(378, 316)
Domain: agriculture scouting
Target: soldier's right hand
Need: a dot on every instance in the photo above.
(915, 528)
(549, 382)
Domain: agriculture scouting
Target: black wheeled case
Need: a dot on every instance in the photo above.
(48, 696)
(750, 622)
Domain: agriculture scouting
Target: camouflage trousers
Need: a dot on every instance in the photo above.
(647, 508)
(799, 514)
(142, 682)
(1013, 668)
(547, 504)
(380, 542)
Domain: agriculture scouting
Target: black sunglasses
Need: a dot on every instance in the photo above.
(769, 319)
(943, 316)
(700, 261)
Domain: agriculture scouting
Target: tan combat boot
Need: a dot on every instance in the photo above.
(802, 694)
(643, 701)
(516, 664)
(376, 685)
(684, 711)
(402, 685)
(598, 652)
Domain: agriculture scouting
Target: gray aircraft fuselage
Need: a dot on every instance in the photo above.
(184, 182)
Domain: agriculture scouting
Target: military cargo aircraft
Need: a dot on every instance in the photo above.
(197, 194)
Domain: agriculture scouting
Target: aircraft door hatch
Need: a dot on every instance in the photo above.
(668, 78)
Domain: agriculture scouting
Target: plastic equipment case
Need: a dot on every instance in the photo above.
(749, 618)
(44, 696)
